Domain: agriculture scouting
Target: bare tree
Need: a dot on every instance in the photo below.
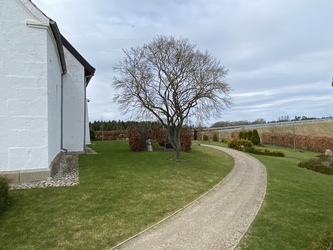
(171, 80)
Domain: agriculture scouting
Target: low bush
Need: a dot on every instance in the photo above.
(4, 194)
(205, 138)
(239, 143)
(320, 164)
(264, 152)
(215, 138)
(325, 242)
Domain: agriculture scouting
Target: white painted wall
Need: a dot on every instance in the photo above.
(73, 105)
(31, 91)
(54, 99)
(26, 97)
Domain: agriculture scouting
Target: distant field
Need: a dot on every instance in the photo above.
(323, 129)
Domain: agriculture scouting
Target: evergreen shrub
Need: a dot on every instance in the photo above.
(249, 135)
(245, 135)
(241, 135)
(255, 137)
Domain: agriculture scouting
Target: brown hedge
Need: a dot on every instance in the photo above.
(110, 135)
(310, 143)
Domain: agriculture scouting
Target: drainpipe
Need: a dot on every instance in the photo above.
(86, 79)
(62, 116)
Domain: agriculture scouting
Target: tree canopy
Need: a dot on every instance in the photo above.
(171, 80)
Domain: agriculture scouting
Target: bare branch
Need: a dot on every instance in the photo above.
(171, 80)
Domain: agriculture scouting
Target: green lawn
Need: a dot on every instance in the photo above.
(120, 193)
(298, 206)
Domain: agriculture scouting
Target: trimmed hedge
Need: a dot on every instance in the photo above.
(246, 146)
(185, 140)
(309, 143)
(134, 139)
(159, 135)
(4, 194)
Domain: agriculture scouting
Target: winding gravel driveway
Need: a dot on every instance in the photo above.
(217, 220)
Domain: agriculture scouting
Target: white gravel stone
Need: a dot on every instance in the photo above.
(60, 179)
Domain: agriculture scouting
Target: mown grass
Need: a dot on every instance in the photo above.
(298, 206)
(120, 193)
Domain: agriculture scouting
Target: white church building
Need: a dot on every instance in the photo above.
(43, 105)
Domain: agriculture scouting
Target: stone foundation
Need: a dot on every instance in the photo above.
(26, 175)
(63, 163)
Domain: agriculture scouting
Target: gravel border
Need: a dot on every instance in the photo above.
(67, 175)
(217, 220)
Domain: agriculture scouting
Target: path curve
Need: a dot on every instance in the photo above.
(217, 220)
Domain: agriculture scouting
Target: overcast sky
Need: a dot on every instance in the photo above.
(279, 52)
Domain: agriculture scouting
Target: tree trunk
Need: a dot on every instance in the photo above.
(174, 137)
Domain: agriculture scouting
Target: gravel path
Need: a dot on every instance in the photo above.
(217, 220)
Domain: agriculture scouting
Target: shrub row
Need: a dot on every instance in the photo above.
(247, 146)
(322, 165)
(109, 135)
(4, 195)
(264, 152)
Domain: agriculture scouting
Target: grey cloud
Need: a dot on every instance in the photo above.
(279, 52)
